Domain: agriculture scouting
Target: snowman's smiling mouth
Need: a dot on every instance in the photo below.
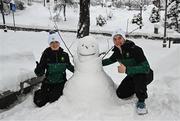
(87, 54)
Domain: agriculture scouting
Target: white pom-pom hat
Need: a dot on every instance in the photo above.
(54, 37)
(119, 32)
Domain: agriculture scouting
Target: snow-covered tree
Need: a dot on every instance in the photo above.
(100, 20)
(157, 3)
(155, 15)
(84, 20)
(137, 19)
(20, 5)
(59, 6)
(173, 15)
(6, 8)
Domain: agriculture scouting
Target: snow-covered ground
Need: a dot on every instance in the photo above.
(20, 50)
(163, 102)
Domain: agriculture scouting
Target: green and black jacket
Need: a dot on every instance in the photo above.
(54, 64)
(131, 56)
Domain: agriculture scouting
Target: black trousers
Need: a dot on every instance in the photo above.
(48, 93)
(136, 84)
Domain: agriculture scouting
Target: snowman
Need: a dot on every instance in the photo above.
(89, 85)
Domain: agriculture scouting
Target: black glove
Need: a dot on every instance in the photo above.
(38, 70)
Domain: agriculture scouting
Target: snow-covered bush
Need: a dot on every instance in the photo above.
(100, 20)
(56, 18)
(108, 4)
(57, 7)
(155, 16)
(57, 10)
(173, 15)
(95, 2)
(118, 4)
(6, 8)
(60, 7)
(19, 4)
(137, 19)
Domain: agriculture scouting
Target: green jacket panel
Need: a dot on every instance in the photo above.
(54, 64)
(55, 72)
(140, 68)
(131, 56)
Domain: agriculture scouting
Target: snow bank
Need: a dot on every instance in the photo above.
(164, 90)
(15, 68)
(18, 54)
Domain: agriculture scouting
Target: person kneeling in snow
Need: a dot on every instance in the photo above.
(54, 62)
(134, 63)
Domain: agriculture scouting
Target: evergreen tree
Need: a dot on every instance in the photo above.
(137, 19)
(100, 20)
(155, 16)
(173, 15)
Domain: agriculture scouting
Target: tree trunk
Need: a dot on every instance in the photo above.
(129, 4)
(113, 2)
(159, 4)
(84, 20)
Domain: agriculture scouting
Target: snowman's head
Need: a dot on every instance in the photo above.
(87, 48)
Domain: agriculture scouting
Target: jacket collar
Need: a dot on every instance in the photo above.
(60, 50)
(128, 44)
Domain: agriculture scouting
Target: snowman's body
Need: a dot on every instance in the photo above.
(89, 83)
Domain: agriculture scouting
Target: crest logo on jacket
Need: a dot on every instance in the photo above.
(127, 55)
(62, 59)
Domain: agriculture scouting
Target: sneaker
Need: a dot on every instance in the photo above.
(141, 108)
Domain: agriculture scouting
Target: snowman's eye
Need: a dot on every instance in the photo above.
(92, 45)
(82, 45)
